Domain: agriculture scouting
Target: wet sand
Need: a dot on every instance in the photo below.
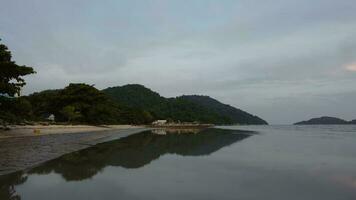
(22, 148)
(37, 130)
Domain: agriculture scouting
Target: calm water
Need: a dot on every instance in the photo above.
(273, 162)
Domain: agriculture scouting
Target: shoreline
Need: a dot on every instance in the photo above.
(26, 146)
(182, 126)
(40, 130)
(26, 151)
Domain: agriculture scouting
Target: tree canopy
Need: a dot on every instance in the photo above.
(11, 74)
(192, 108)
(76, 103)
(11, 82)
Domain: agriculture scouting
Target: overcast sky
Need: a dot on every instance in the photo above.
(283, 60)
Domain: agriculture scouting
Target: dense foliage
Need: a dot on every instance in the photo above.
(135, 95)
(228, 112)
(201, 109)
(77, 103)
(11, 81)
(131, 104)
(15, 110)
(11, 74)
(82, 103)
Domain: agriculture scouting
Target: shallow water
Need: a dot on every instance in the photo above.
(273, 162)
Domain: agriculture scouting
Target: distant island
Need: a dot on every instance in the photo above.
(325, 120)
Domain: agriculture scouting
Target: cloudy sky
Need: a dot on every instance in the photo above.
(284, 60)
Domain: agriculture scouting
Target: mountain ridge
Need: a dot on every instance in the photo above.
(235, 114)
(182, 108)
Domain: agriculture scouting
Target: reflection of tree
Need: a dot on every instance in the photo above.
(131, 152)
(138, 150)
(7, 185)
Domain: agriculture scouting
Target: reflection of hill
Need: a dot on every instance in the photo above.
(138, 150)
(131, 152)
(7, 185)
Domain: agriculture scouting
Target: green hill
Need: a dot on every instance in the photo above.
(78, 103)
(234, 114)
(82, 103)
(323, 120)
(185, 108)
(135, 95)
(129, 104)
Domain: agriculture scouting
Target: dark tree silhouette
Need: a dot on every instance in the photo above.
(11, 74)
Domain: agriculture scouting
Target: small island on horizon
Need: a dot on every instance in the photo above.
(325, 120)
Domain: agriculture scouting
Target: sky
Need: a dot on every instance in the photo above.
(283, 60)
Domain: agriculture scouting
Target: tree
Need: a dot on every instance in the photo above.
(94, 106)
(14, 110)
(11, 74)
(70, 113)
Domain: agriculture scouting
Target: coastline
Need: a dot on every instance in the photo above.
(26, 149)
(39, 130)
(182, 126)
(26, 146)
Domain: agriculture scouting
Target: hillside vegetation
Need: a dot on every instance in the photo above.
(129, 104)
(193, 108)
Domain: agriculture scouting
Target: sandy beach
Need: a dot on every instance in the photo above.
(38, 130)
(22, 147)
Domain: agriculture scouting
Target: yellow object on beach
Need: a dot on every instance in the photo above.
(36, 131)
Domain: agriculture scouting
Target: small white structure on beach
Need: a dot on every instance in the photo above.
(159, 122)
(51, 117)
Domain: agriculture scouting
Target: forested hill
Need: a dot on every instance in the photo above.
(130, 104)
(75, 104)
(185, 108)
(324, 120)
(135, 95)
(235, 114)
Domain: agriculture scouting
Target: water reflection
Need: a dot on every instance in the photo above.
(134, 151)
(7, 185)
(176, 131)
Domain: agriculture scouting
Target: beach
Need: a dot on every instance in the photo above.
(23, 147)
(37, 130)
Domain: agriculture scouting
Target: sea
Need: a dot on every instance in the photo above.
(283, 162)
